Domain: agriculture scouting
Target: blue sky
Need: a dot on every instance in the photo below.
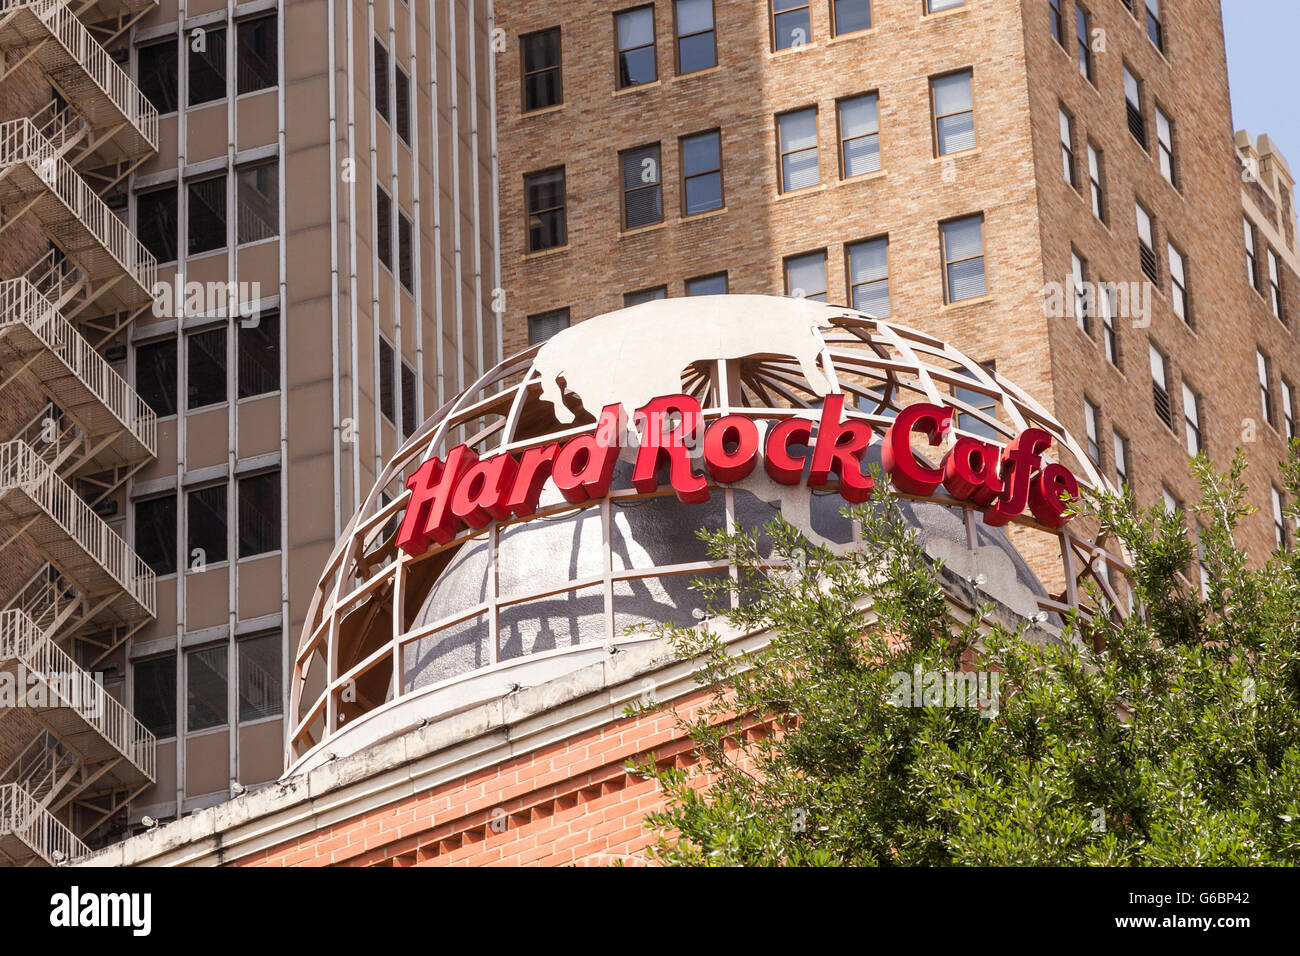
(1264, 70)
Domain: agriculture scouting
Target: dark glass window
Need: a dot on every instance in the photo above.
(205, 511)
(256, 54)
(546, 219)
(259, 514)
(851, 15)
(645, 295)
(642, 193)
(155, 375)
(546, 324)
(258, 202)
(382, 93)
(206, 679)
(156, 222)
(702, 172)
(259, 355)
(207, 65)
(155, 533)
(207, 215)
(635, 31)
(260, 676)
(405, 259)
(543, 80)
(791, 24)
(409, 413)
(707, 285)
(205, 368)
(384, 226)
(696, 48)
(154, 695)
(157, 71)
(387, 396)
(402, 106)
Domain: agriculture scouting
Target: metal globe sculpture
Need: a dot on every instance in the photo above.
(396, 635)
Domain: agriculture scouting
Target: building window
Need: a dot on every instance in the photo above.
(1165, 145)
(156, 222)
(1137, 125)
(645, 295)
(1154, 29)
(715, 284)
(868, 269)
(259, 355)
(850, 16)
(642, 192)
(205, 368)
(1083, 34)
(206, 679)
(205, 517)
(954, 113)
(701, 172)
(1274, 283)
(387, 381)
(805, 276)
(207, 68)
(383, 92)
(859, 120)
(257, 197)
(636, 46)
(261, 681)
(405, 256)
(256, 54)
(1192, 421)
(696, 49)
(1094, 183)
(1092, 427)
(1079, 273)
(1120, 447)
(1106, 301)
(936, 6)
(155, 533)
(410, 409)
(1066, 125)
(1265, 388)
(206, 215)
(383, 226)
(797, 142)
(963, 259)
(1279, 517)
(1252, 264)
(1058, 22)
(791, 23)
(402, 105)
(1288, 410)
(1172, 504)
(979, 401)
(1160, 385)
(157, 68)
(1147, 243)
(153, 697)
(544, 325)
(546, 219)
(259, 514)
(543, 77)
(1178, 284)
(155, 375)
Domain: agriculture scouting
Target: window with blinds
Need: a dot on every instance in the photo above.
(797, 142)
(868, 270)
(642, 190)
(954, 113)
(963, 258)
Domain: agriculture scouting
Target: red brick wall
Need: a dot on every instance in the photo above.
(572, 803)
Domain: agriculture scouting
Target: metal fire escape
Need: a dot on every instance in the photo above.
(90, 756)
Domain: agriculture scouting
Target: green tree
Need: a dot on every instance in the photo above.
(1170, 737)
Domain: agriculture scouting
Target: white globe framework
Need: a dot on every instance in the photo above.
(365, 616)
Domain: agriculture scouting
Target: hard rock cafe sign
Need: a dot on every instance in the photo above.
(672, 438)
